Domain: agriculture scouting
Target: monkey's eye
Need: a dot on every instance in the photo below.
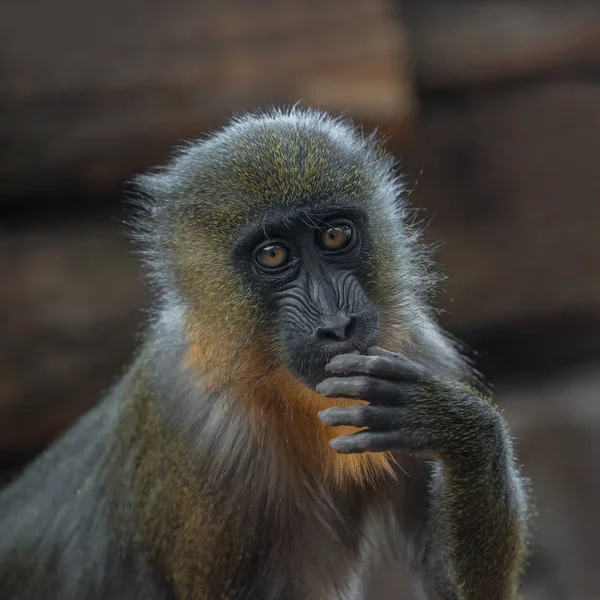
(272, 256)
(336, 237)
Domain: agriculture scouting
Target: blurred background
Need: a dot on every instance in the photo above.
(494, 107)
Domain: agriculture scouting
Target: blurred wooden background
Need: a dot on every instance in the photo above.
(494, 107)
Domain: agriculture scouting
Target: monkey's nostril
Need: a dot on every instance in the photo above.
(336, 329)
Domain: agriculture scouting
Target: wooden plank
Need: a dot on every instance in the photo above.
(510, 181)
(92, 93)
(473, 43)
(70, 300)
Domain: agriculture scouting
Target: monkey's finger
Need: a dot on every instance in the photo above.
(365, 388)
(374, 417)
(368, 441)
(378, 351)
(396, 356)
(395, 368)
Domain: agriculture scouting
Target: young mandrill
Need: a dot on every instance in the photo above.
(293, 408)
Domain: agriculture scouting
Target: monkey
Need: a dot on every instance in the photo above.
(293, 406)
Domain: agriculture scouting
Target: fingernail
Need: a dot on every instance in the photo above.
(340, 445)
(321, 388)
(325, 419)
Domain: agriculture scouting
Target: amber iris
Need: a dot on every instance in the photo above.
(272, 256)
(336, 238)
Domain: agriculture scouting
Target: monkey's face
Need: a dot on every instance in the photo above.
(311, 271)
(282, 237)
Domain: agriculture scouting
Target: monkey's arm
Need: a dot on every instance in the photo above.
(472, 540)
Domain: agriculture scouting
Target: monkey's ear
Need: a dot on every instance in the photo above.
(387, 165)
(144, 195)
(147, 225)
(153, 185)
(375, 141)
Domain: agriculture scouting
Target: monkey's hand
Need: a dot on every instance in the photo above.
(410, 409)
(475, 535)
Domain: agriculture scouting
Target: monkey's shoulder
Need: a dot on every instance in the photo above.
(70, 464)
(57, 538)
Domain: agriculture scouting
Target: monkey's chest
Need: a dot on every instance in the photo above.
(325, 560)
(313, 554)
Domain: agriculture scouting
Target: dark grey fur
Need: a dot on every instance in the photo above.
(102, 514)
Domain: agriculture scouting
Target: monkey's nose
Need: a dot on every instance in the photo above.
(337, 328)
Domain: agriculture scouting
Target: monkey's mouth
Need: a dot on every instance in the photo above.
(308, 364)
(307, 354)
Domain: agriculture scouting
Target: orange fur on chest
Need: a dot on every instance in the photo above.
(292, 409)
(285, 412)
